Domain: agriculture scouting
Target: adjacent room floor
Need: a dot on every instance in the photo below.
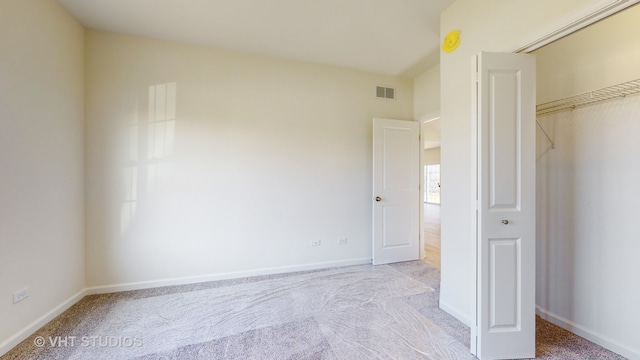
(432, 234)
(357, 312)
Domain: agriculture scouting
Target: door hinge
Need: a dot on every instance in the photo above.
(477, 76)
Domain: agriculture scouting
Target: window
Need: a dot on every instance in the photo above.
(432, 183)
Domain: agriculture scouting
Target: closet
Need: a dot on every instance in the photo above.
(588, 182)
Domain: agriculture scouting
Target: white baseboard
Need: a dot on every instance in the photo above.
(33, 327)
(591, 335)
(455, 313)
(40, 322)
(105, 289)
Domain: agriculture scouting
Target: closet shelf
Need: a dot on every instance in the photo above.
(572, 102)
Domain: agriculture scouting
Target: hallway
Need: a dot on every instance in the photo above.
(432, 234)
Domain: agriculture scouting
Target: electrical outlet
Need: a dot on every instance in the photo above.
(342, 240)
(315, 242)
(20, 295)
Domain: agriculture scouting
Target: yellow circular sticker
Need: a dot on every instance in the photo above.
(451, 41)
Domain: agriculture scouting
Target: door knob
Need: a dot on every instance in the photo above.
(506, 222)
(378, 198)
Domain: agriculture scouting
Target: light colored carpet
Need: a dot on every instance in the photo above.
(358, 312)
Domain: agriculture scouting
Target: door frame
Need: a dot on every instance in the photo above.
(564, 26)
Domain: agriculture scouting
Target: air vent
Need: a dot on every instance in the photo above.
(385, 92)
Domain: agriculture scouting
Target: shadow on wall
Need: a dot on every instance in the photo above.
(555, 203)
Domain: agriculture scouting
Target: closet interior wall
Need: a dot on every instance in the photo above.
(587, 187)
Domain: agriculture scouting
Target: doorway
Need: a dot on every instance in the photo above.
(430, 145)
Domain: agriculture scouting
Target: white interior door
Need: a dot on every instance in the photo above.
(505, 103)
(396, 190)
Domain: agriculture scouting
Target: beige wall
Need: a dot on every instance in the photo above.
(587, 191)
(489, 25)
(41, 161)
(601, 55)
(426, 93)
(265, 156)
(256, 145)
(431, 156)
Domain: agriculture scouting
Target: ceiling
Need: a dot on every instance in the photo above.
(391, 37)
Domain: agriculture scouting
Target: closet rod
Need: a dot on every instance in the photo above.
(572, 102)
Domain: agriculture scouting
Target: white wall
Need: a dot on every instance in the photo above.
(489, 25)
(587, 187)
(426, 93)
(266, 156)
(41, 161)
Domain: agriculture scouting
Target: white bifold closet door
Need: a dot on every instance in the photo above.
(505, 238)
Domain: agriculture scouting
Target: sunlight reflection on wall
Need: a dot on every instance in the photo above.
(149, 162)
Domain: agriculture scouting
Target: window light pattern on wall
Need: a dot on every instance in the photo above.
(150, 145)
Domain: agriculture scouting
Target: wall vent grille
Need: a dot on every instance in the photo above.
(385, 92)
